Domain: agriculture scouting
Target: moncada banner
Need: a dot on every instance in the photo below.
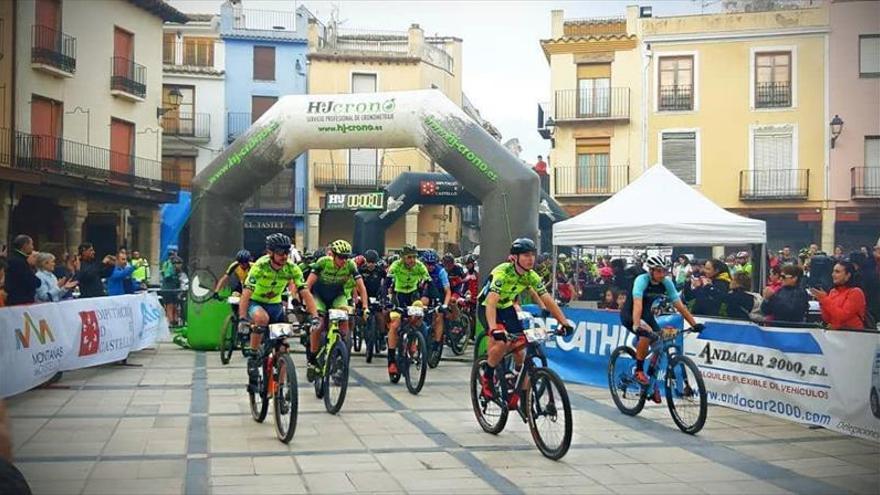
(39, 340)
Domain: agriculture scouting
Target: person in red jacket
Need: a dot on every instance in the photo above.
(844, 306)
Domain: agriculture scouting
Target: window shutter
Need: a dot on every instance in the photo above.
(259, 105)
(869, 54)
(264, 63)
(680, 155)
(363, 83)
(872, 152)
(773, 151)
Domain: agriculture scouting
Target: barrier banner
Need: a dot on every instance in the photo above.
(40, 340)
(808, 375)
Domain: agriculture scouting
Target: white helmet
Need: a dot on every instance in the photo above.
(295, 257)
(655, 261)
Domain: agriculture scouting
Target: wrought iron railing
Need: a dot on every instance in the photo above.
(128, 76)
(236, 124)
(591, 104)
(865, 182)
(53, 48)
(793, 183)
(590, 180)
(192, 52)
(772, 94)
(47, 154)
(355, 176)
(675, 98)
(197, 125)
(264, 20)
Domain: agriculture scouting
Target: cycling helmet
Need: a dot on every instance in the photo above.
(359, 260)
(430, 257)
(278, 242)
(408, 249)
(742, 254)
(243, 256)
(448, 258)
(606, 272)
(470, 259)
(371, 256)
(523, 245)
(340, 248)
(655, 261)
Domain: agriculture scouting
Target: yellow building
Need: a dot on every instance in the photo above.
(592, 116)
(736, 106)
(355, 61)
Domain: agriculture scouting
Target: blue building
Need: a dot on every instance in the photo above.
(265, 60)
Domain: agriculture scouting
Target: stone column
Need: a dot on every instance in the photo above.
(5, 215)
(314, 226)
(829, 220)
(718, 252)
(74, 219)
(411, 226)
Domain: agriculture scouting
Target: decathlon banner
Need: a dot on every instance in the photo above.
(40, 340)
(808, 375)
(583, 357)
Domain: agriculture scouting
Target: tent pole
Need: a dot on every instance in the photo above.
(762, 266)
(555, 255)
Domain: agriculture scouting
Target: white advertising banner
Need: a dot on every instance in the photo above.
(42, 339)
(808, 375)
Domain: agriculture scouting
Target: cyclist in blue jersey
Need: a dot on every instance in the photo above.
(436, 290)
(637, 315)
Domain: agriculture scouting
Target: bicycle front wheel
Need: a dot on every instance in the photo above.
(491, 415)
(549, 412)
(260, 400)
(227, 339)
(627, 393)
(285, 398)
(458, 334)
(416, 357)
(336, 378)
(370, 338)
(686, 395)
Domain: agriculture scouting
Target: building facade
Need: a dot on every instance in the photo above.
(359, 61)
(854, 188)
(82, 157)
(265, 54)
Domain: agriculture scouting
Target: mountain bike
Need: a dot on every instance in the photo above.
(331, 379)
(276, 380)
(229, 339)
(374, 341)
(666, 365)
(412, 350)
(534, 391)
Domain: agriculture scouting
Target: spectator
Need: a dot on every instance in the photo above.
(681, 270)
(173, 282)
(730, 261)
(813, 250)
(62, 266)
(141, 275)
(119, 282)
(540, 167)
(838, 253)
(742, 263)
(606, 275)
(621, 298)
(51, 289)
(742, 304)
(92, 271)
(868, 270)
(844, 306)
(786, 257)
(774, 280)
(789, 302)
(2, 281)
(22, 281)
(609, 299)
(710, 290)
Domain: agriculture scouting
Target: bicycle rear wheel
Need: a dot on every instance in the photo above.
(490, 413)
(628, 395)
(336, 378)
(686, 395)
(260, 400)
(458, 334)
(227, 339)
(286, 399)
(415, 355)
(357, 333)
(548, 405)
(435, 353)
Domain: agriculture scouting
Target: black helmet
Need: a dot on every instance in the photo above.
(278, 242)
(243, 256)
(523, 245)
(448, 258)
(470, 259)
(408, 249)
(372, 256)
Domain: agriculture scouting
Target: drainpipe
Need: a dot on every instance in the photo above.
(646, 63)
(305, 212)
(826, 200)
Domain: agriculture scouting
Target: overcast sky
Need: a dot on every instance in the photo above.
(505, 72)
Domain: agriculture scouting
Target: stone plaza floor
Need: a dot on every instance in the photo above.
(181, 424)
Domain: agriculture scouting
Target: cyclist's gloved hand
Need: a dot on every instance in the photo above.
(444, 308)
(565, 329)
(244, 327)
(216, 297)
(699, 327)
(365, 312)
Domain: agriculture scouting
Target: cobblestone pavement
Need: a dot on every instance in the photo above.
(181, 424)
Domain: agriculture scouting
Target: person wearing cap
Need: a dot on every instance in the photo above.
(742, 264)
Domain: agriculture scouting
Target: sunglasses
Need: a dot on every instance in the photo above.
(281, 252)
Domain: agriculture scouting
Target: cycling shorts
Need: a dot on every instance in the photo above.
(432, 292)
(627, 322)
(403, 300)
(505, 316)
(275, 311)
(334, 295)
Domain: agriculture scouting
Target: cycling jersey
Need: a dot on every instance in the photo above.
(508, 284)
(329, 274)
(648, 292)
(267, 283)
(439, 278)
(456, 278)
(238, 274)
(373, 280)
(407, 279)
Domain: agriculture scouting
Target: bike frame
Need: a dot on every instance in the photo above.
(533, 351)
(661, 353)
(271, 348)
(333, 335)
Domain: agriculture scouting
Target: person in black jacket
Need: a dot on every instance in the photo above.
(790, 302)
(740, 302)
(91, 271)
(709, 290)
(21, 278)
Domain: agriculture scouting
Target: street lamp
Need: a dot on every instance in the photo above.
(175, 98)
(836, 127)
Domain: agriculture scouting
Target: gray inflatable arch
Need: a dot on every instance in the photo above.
(425, 119)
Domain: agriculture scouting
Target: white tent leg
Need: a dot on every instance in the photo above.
(555, 292)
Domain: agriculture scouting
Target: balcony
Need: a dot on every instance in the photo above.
(355, 176)
(586, 105)
(236, 124)
(263, 20)
(52, 51)
(777, 184)
(384, 44)
(83, 166)
(675, 99)
(188, 53)
(571, 181)
(196, 125)
(772, 95)
(128, 79)
(865, 182)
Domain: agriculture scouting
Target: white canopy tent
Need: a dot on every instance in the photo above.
(658, 208)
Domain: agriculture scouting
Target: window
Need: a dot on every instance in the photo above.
(47, 13)
(774, 171)
(46, 127)
(869, 55)
(181, 120)
(772, 79)
(594, 90)
(259, 105)
(200, 52)
(121, 147)
(678, 153)
(675, 90)
(276, 194)
(169, 47)
(264, 63)
(363, 83)
(592, 160)
(179, 170)
(872, 152)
